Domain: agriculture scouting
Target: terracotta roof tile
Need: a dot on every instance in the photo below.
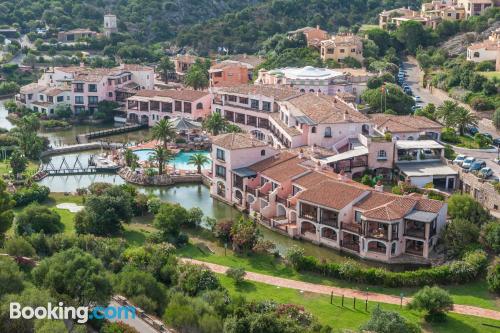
(272, 161)
(237, 141)
(331, 194)
(395, 210)
(184, 94)
(276, 92)
(374, 200)
(398, 124)
(285, 171)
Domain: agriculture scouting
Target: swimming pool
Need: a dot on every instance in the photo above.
(180, 161)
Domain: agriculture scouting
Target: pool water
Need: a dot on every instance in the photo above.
(180, 161)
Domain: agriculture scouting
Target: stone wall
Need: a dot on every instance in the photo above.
(480, 189)
(158, 180)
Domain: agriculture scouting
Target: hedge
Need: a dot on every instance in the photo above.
(471, 266)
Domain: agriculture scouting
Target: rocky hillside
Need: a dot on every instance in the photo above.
(458, 44)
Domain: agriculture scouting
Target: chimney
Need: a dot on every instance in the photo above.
(82, 64)
(379, 187)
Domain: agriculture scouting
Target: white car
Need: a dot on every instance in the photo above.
(468, 162)
(459, 159)
(486, 172)
(417, 99)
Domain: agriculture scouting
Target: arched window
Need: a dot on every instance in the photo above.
(410, 138)
(199, 106)
(311, 90)
(313, 129)
(302, 90)
(382, 154)
(263, 152)
(328, 132)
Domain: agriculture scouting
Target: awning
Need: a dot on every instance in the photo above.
(421, 216)
(421, 169)
(305, 120)
(344, 156)
(418, 144)
(244, 172)
(183, 124)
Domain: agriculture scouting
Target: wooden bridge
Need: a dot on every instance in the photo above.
(85, 137)
(76, 168)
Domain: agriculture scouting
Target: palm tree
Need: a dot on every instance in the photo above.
(130, 158)
(215, 123)
(198, 160)
(165, 66)
(163, 131)
(446, 113)
(463, 118)
(161, 155)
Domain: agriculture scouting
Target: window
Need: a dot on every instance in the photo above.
(221, 155)
(92, 88)
(357, 216)
(78, 99)
(220, 171)
(263, 152)
(328, 132)
(78, 87)
(243, 100)
(313, 129)
(330, 51)
(187, 107)
(266, 106)
(342, 50)
(231, 98)
(93, 100)
(166, 107)
(353, 50)
(79, 109)
(381, 155)
(254, 104)
(60, 98)
(178, 106)
(199, 106)
(311, 90)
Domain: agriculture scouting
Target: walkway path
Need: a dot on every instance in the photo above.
(351, 293)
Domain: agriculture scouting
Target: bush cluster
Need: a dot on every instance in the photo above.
(35, 193)
(468, 269)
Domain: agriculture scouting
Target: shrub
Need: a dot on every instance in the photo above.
(35, 193)
(496, 118)
(389, 322)
(493, 278)
(449, 135)
(434, 300)
(463, 206)
(237, 274)
(459, 235)
(449, 153)
(36, 218)
(117, 327)
(19, 247)
(490, 235)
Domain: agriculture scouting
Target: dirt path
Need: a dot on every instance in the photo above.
(351, 293)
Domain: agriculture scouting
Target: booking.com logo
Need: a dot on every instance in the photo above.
(80, 314)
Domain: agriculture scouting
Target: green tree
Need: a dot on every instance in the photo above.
(169, 220)
(63, 111)
(237, 274)
(104, 214)
(244, 235)
(117, 327)
(460, 235)
(412, 35)
(388, 322)
(106, 110)
(76, 276)
(30, 60)
(137, 286)
(493, 277)
(164, 131)
(50, 326)
(482, 140)
(215, 123)
(131, 158)
(161, 156)
(198, 160)
(165, 67)
(18, 162)
(463, 206)
(434, 300)
(36, 218)
(463, 118)
(19, 247)
(194, 279)
(429, 111)
(446, 113)
(11, 278)
(197, 75)
(390, 97)
(490, 235)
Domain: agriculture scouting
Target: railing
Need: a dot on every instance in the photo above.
(415, 233)
(238, 185)
(377, 235)
(415, 251)
(351, 246)
(251, 190)
(308, 217)
(377, 249)
(330, 222)
(351, 227)
(264, 195)
(281, 200)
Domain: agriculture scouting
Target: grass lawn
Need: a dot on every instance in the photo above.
(6, 169)
(204, 247)
(468, 142)
(491, 75)
(345, 317)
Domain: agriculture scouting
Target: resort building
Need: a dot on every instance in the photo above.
(314, 36)
(72, 36)
(287, 118)
(82, 88)
(406, 127)
(183, 63)
(488, 50)
(444, 10)
(322, 80)
(476, 7)
(292, 195)
(229, 73)
(341, 46)
(149, 106)
(386, 16)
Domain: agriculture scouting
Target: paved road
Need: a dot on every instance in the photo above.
(351, 293)
(136, 323)
(437, 98)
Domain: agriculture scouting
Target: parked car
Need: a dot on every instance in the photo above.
(472, 130)
(468, 162)
(486, 172)
(477, 165)
(496, 142)
(417, 99)
(416, 107)
(459, 159)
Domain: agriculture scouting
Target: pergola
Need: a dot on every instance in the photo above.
(186, 127)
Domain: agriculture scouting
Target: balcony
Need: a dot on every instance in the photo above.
(417, 233)
(264, 196)
(281, 200)
(251, 190)
(356, 228)
(351, 246)
(330, 222)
